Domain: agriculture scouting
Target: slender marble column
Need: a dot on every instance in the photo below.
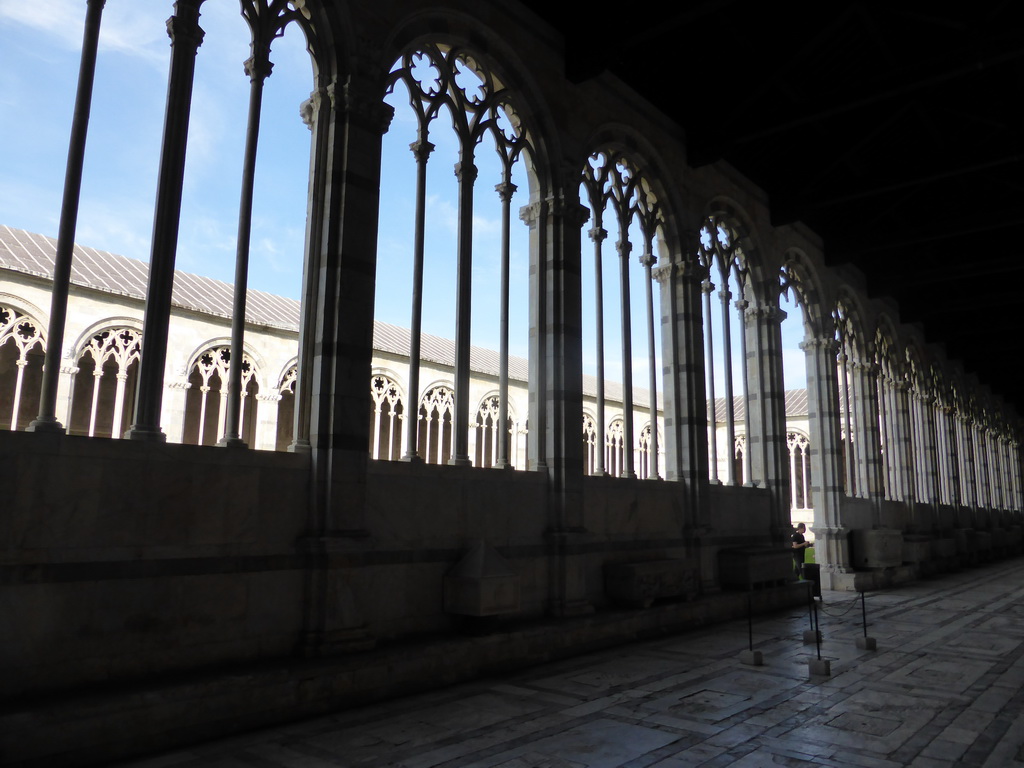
(505, 191)
(624, 247)
(597, 235)
(647, 261)
(730, 406)
(46, 421)
(258, 68)
(707, 287)
(421, 149)
(465, 172)
(186, 37)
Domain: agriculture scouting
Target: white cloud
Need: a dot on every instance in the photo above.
(132, 28)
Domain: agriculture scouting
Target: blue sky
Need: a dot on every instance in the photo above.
(39, 63)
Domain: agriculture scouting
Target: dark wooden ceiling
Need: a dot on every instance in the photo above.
(895, 131)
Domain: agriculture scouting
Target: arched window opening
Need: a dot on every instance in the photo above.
(644, 456)
(855, 397)
(21, 368)
(739, 458)
(890, 383)
(205, 400)
(488, 433)
(592, 450)
(799, 473)
(385, 419)
(621, 199)
(103, 395)
(614, 448)
(725, 356)
(286, 409)
(436, 428)
(487, 305)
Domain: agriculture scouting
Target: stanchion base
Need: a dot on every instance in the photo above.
(811, 636)
(819, 667)
(752, 658)
(867, 644)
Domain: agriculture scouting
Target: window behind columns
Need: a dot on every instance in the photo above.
(621, 321)
(21, 367)
(103, 394)
(286, 408)
(726, 293)
(207, 394)
(453, 256)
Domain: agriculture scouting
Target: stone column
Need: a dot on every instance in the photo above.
(686, 416)
(904, 449)
(766, 415)
(831, 537)
(556, 383)
(186, 36)
(341, 283)
(320, 128)
(47, 421)
(65, 384)
(266, 420)
(869, 481)
(173, 406)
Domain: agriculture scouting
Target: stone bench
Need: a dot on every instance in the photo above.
(755, 567)
(638, 585)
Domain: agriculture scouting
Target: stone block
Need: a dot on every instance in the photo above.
(751, 567)
(482, 584)
(638, 585)
(867, 643)
(752, 658)
(811, 636)
(917, 549)
(877, 548)
(819, 667)
(943, 548)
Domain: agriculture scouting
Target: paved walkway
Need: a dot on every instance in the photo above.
(945, 688)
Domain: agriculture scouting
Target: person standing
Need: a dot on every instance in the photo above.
(799, 545)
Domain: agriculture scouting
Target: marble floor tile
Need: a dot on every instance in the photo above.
(944, 688)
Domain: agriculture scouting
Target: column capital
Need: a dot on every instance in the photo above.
(421, 149)
(648, 260)
(360, 102)
(183, 27)
(465, 172)
(597, 234)
(555, 205)
(824, 343)
(505, 190)
(259, 66)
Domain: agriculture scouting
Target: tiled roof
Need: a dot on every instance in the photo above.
(796, 405)
(34, 254)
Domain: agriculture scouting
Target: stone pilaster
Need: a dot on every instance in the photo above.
(347, 141)
(766, 414)
(556, 391)
(685, 410)
(832, 545)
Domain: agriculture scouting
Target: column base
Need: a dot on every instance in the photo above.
(232, 442)
(146, 434)
(46, 425)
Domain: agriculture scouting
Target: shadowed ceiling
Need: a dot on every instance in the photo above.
(895, 131)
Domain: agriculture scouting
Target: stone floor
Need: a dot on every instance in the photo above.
(945, 687)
